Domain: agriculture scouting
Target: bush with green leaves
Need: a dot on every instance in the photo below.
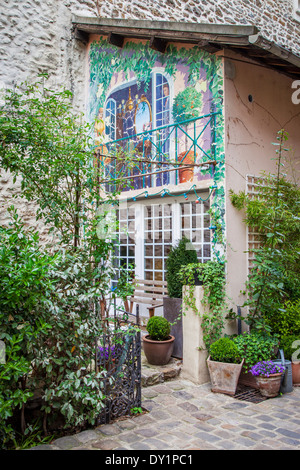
(180, 255)
(225, 350)
(50, 296)
(285, 321)
(255, 347)
(158, 328)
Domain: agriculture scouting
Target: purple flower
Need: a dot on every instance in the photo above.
(266, 368)
(106, 352)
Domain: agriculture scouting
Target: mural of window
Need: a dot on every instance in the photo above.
(158, 239)
(195, 222)
(110, 119)
(125, 253)
(148, 230)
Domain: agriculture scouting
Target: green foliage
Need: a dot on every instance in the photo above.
(12, 396)
(50, 295)
(285, 321)
(275, 214)
(180, 255)
(158, 328)
(224, 350)
(212, 274)
(255, 347)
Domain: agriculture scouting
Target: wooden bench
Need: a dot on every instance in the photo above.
(148, 292)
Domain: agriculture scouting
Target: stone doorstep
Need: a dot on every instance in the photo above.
(153, 375)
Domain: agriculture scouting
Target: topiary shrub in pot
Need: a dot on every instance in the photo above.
(224, 365)
(158, 344)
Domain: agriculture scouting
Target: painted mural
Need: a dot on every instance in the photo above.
(161, 109)
(163, 113)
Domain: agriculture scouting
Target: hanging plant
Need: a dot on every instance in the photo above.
(212, 275)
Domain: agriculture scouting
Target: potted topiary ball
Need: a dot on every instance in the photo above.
(158, 344)
(224, 365)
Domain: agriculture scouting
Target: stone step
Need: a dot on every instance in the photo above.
(153, 375)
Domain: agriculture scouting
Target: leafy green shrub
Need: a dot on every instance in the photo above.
(255, 347)
(180, 255)
(224, 350)
(48, 329)
(158, 328)
(285, 321)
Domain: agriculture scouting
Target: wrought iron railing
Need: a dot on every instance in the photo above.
(166, 155)
(118, 352)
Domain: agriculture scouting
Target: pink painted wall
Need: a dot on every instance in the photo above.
(250, 129)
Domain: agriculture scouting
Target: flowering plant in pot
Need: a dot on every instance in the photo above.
(268, 376)
(224, 365)
(158, 344)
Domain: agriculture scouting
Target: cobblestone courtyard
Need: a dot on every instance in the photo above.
(185, 416)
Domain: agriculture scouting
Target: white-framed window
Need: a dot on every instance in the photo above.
(148, 229)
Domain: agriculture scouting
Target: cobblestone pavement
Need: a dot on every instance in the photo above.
(185, 416)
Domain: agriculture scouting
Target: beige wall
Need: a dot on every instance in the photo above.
(250, 129)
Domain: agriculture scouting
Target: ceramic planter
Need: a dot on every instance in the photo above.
(296, 372)
(158, 352)
(172, 312)
(224, 376)
(269, 386)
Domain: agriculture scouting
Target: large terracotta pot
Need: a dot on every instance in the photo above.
(296, 372)
(224, 376)
(269, 386)
(158, 352)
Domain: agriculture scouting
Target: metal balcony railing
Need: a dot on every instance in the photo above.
(169, 154)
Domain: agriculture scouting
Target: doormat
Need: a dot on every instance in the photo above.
(252, 395)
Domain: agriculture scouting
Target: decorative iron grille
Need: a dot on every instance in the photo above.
(118, 351)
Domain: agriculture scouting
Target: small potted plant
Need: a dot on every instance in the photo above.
(268, 377)
(158, 344)
(224, 365)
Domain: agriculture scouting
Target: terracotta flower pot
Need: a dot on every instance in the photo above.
(269, 386)
(224, 376)
(158, 352)
(296, 372)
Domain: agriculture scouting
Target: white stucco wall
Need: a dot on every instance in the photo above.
(250, 130)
